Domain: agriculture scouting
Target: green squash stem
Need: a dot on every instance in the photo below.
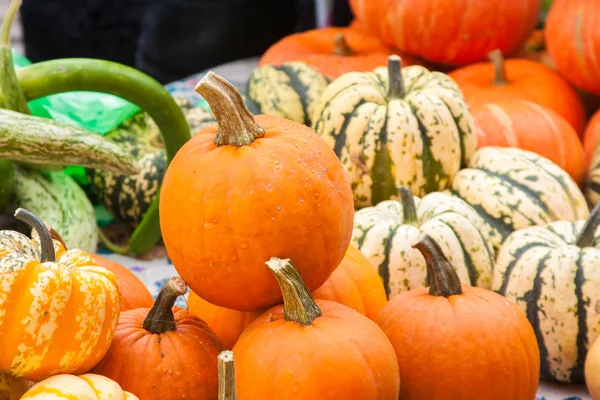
(443, 279)
(160, 318)
(237, 126)
(497, 59)
(46, 242)
(9, 83)
(586, 236)
(226, 366)
(341, 46)
(409, 209)
(396, 82)
(298, 304)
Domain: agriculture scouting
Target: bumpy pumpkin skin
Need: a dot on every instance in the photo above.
(557, 285)
(67, 323)
(286, 191)
(380, 138)
(82, 387)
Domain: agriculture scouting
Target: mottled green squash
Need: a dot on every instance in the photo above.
(552, 273)
(386, 232)
(396, 127)
(289, 91)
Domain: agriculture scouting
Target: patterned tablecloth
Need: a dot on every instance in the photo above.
(154, 273)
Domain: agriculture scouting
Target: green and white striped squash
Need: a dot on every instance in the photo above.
(552, 273)
(513, 189)
(592, 184)
(290, 90)
(396, 127)
(386, 232)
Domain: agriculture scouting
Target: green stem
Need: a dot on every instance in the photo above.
(160, 318)
(443, 279)
(587, 235)
(497, 59)
(409, 209)
(46, 242)
(396, 82)
(11, 13)
(341, 46)
(298, 304)
(227, 389)
(237, 126)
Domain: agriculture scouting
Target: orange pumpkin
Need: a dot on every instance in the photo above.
(591, 136)
(134, 294)
(82, 387)
(434, 331)
(448, 31)
(333, 51)
(309, 350)
(572, 35)
(163, 342)
(519, 79)
(528, 126)
(237, 193)
(354, 283)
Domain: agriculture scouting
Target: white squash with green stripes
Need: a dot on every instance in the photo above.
(552, 273)
(396, 127)
(386, 232)
(513, 189)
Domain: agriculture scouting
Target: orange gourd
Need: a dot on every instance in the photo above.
(82, 387)
(455, 341)
(591, 136)
(529, 126)
(519, 79)
(252, 187)
(307, 350)
(354, 283)
(163, 341)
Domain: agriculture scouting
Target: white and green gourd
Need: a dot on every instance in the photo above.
(552, 273)
(396, 127)
(386, 232)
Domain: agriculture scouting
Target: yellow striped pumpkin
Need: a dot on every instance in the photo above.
(552, 274)
(59, 310)
(83, 387)
(396, 127)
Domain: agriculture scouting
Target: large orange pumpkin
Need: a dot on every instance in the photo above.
(458, 341)
(591, 136)
(333, 51)
(529, 126)
(307, 350)
(134, 294)
(573, 41)
(250, 188)
(519, 79)
(449, 31)
(163, 342)
(354, 283)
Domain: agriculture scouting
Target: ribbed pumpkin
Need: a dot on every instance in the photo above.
(519, 79)
(455, 341)
(396, 127)
(529, 126)
(288, 91)
(513, 189)
(354, 283)
(59, 309)
(448, 31)
(572, 37)
(163, 342)
(307, 350)
(591, 136)
(12, 388)
(82, 387)
(552, 274)
(385, 234)
(235, 195)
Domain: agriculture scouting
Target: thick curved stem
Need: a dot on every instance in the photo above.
(409, 208)
(226, 376)
(341, 46)
(443, 279)
(586, 236)
(396, 82)
(9, 16)
(237, 126)
(298, 304)
(47, 253)
(497, 59)
(160, 319)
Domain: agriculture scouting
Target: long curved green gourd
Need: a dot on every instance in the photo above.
(84, 74)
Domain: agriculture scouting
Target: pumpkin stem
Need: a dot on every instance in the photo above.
(10, 15)
(47, 253)
(497, 59)
(396, 82)
(586, 236)
(409, 210)
(298, 304)
(341, 46)
(226, 376)
(160, 319)
(443, 279)
(237, 126)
